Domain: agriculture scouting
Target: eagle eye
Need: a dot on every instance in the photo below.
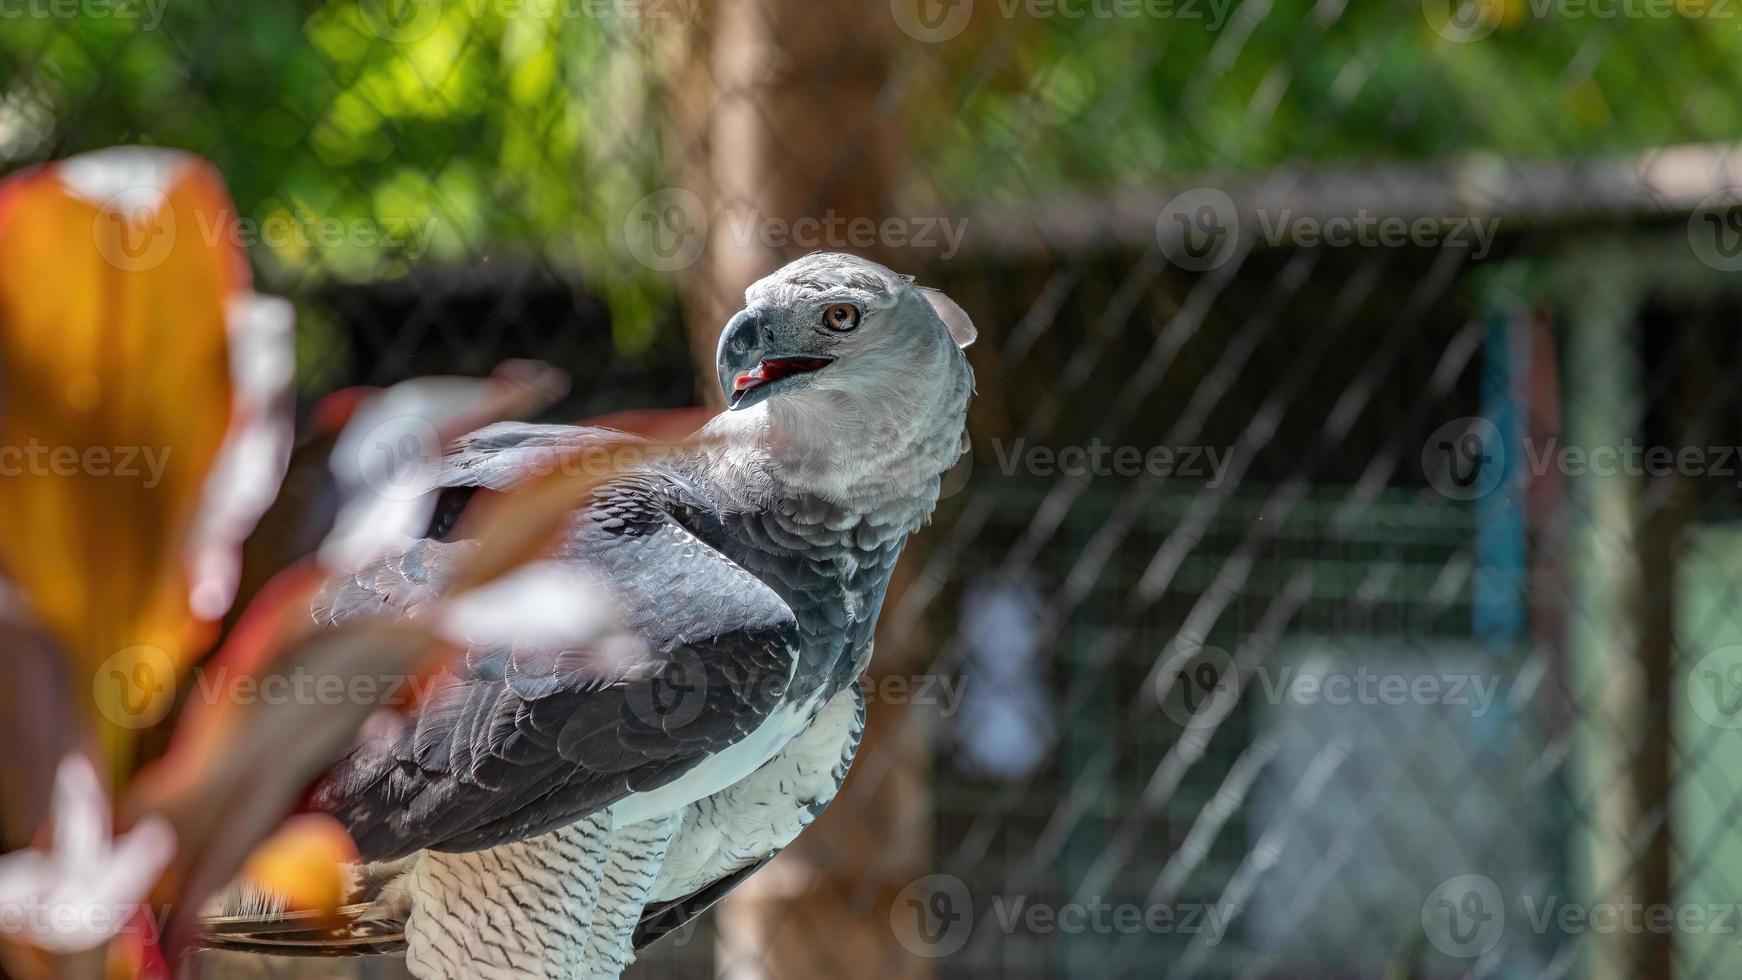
(841, 316)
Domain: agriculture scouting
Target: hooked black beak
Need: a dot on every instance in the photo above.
(748, 369)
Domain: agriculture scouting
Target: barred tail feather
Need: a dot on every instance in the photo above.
(521, 910)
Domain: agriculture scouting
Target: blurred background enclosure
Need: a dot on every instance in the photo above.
(1372, 291)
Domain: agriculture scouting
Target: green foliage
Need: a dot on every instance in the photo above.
(354, 149)
(495, 128)
(1103, 100)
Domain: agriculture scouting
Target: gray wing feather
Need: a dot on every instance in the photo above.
(499, 456)
(513, 740)
(661, 919)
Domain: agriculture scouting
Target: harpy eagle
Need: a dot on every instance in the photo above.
(545, 812)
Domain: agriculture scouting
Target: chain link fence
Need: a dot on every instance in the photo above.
(1341, 582)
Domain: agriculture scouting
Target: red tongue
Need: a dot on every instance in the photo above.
(775, 368)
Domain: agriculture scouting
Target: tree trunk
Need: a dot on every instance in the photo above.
(781, 137)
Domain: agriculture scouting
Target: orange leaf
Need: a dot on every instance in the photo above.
(244, 755)
(115, 272)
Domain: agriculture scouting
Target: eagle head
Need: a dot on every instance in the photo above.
(851, 368)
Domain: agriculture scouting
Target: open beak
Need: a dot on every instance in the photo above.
(772, 369)
(747, 364)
